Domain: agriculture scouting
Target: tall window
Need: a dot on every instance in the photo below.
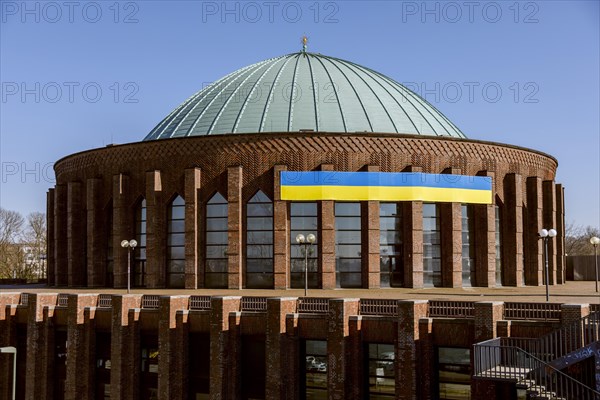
(381, 379)
(314, 370)
(347, 245)
(176, 244)
(215, 275)
(432, 266)
(259, 242)
(498, 247)
(110, 254)
(454, 373)
(390, 245)
(139, 268)
(303, 219)
(468, 248)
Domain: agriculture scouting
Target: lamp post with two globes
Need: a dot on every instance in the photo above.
(595, 241)
(545, 235)
(130, 245)
(306, 242)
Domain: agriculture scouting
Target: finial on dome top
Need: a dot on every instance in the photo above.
(304, 42)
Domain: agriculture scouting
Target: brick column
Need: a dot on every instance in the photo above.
(96, 234)
(355, 361)
(370, 240)
(326, 239)
(534, 259)
(484, 239)
(277, 370)
(234, 213)
(76, 262)
(560, 238)
(339, 350)
(234, 369)
(40, 346)
(569, 314)
(60, 235)
(281, 233)
(125, 348)
(122, 227)
(412, 236)
(503, 328)
(221, 306)
(292, 357)
(512, 231)
(487, 315)
(8, 337)
(549, 221)
(80, 355)
(407, 352)
(194, 265)
(451, 237)
(426, 378)
(172, 382)
(50, 259)
(156, 230)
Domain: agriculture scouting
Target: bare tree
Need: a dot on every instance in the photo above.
(577, 239)
(11, 254)
(35, 239)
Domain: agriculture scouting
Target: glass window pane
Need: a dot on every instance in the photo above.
(216, 224)
(259, 237)
(389, 209)
(350, 280)
(259, 280)
(177, 212)
(260, 224)
(300, 209)
(216, 237)
(176, 253)
(260, 210)
(176, 239)
(347, 250)
(348, 237)
(348, 265)
(259, 197)
(347, 209)
(259, 265)
(217, 198)
(429, 209)
(259, 251)
(347, 223)
(177, 266)
(177, 226)
(304, 223)
(216, 210)
(213, 251)
(389, 223)
(216, 265)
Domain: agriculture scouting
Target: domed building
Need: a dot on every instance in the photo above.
(217, 193)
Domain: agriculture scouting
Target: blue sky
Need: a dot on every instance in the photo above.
(79, 75)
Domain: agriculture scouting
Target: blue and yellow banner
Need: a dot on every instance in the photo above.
(385, 186)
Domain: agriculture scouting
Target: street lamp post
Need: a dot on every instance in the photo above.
(130, 245)
(595, 241)
(545, 235)
(306, 242)
(12, 350)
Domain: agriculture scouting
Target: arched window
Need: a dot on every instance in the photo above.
(391, 264)
(176, 244)
(498, 230)
(139, 267)
(259, 242)
(432, 252)
(468, 246)
(215, 271)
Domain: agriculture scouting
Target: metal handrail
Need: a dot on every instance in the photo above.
(494, 360)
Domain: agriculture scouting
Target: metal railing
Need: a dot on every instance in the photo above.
(532, 311)
(451, 309)
(150, 301)
(253, 304)
(313, 305)
(105, 301)
(63, 300)
(495, 360)
(378, 307)
(199, 303)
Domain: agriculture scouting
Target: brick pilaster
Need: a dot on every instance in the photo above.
(407, 352)
(156, 229)
(484, 240)
(549, 221)
(221, 306)
(122, 227)
(534, 247)
(370, 240)
(172, 377)
(194, 267)
(60, 234)
(512, 231)
(277, 371)
(451, 238)
(356, 362)
(80, 355)
(339, 347)
(560, 238)
(569, 314)
(125, 346)
(412, 234)
(234, 213)
(50, 259)
(292, 357)
(281, 233)
(326, 239)
(96, 234)
(487, 315)
(40, 346)
(76, 263)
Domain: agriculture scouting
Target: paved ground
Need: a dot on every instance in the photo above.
(571, 292)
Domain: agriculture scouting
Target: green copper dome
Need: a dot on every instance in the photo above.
(304, 91)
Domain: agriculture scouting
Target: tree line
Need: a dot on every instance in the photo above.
(22, 245)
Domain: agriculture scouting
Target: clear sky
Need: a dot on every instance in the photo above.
(79, 75)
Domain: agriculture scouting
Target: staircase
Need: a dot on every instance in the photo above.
(535, 364)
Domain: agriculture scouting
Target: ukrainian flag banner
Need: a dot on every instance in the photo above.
(385, 186)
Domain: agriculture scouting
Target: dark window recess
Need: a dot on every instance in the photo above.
(253, 367)
(468, 246)
(381, 376)
(432, 265)
(149, 367)
(304, 220)
(390, 245)
(103, 365)
(176, 244)
(454, 373)
(215, 271)
(139, 264)
(313, 369)
(348, 263)
(259, 242)
(199, 366)
(60, 363)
